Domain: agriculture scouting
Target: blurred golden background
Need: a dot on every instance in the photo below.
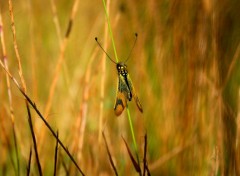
(184, 66)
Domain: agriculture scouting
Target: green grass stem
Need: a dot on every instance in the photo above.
(110, 30)
(131, 128)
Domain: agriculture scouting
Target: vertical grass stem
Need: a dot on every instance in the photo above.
(131, 128)
(110, 30)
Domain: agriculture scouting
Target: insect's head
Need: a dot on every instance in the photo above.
(122, 68)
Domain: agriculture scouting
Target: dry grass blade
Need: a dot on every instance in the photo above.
(61, 58)
(16, 46)
(238, 135)
(56, 21)
(34, 140)
(103, 79)
(64, 165)
(51, 130)
(145, 155)
(9, 94)
(41, 116)
(177, 150)
(8, 144)
(16, 149)
(231, 67)
(55, 157)
(29, 162)
(109, 155)
(69, 28)
(82, 117)
(53, 133)
(145, 166)
(134, 162)
(63, 45)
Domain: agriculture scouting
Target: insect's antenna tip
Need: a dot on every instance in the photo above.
(136, 35)
(104, 50)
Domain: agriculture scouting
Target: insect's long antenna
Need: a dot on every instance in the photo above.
(104, 51)
(136, 35)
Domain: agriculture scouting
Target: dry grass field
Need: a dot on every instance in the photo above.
(58, 88)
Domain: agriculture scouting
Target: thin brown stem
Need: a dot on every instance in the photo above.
(34, 140)
(55, 157)
(82, 118)
(56, 21)
(16, 46)
(29, 162)
(41, 116)
(9, 94)
(8, 144)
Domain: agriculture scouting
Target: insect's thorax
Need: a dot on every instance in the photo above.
(125, 84)
(122, 69)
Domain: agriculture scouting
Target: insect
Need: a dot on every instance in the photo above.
(125, 89)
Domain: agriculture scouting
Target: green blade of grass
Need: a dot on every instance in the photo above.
(110, 30)
(131, 128)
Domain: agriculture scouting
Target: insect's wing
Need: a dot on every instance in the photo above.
(134, 94)
(120, 103)
(122, 94)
